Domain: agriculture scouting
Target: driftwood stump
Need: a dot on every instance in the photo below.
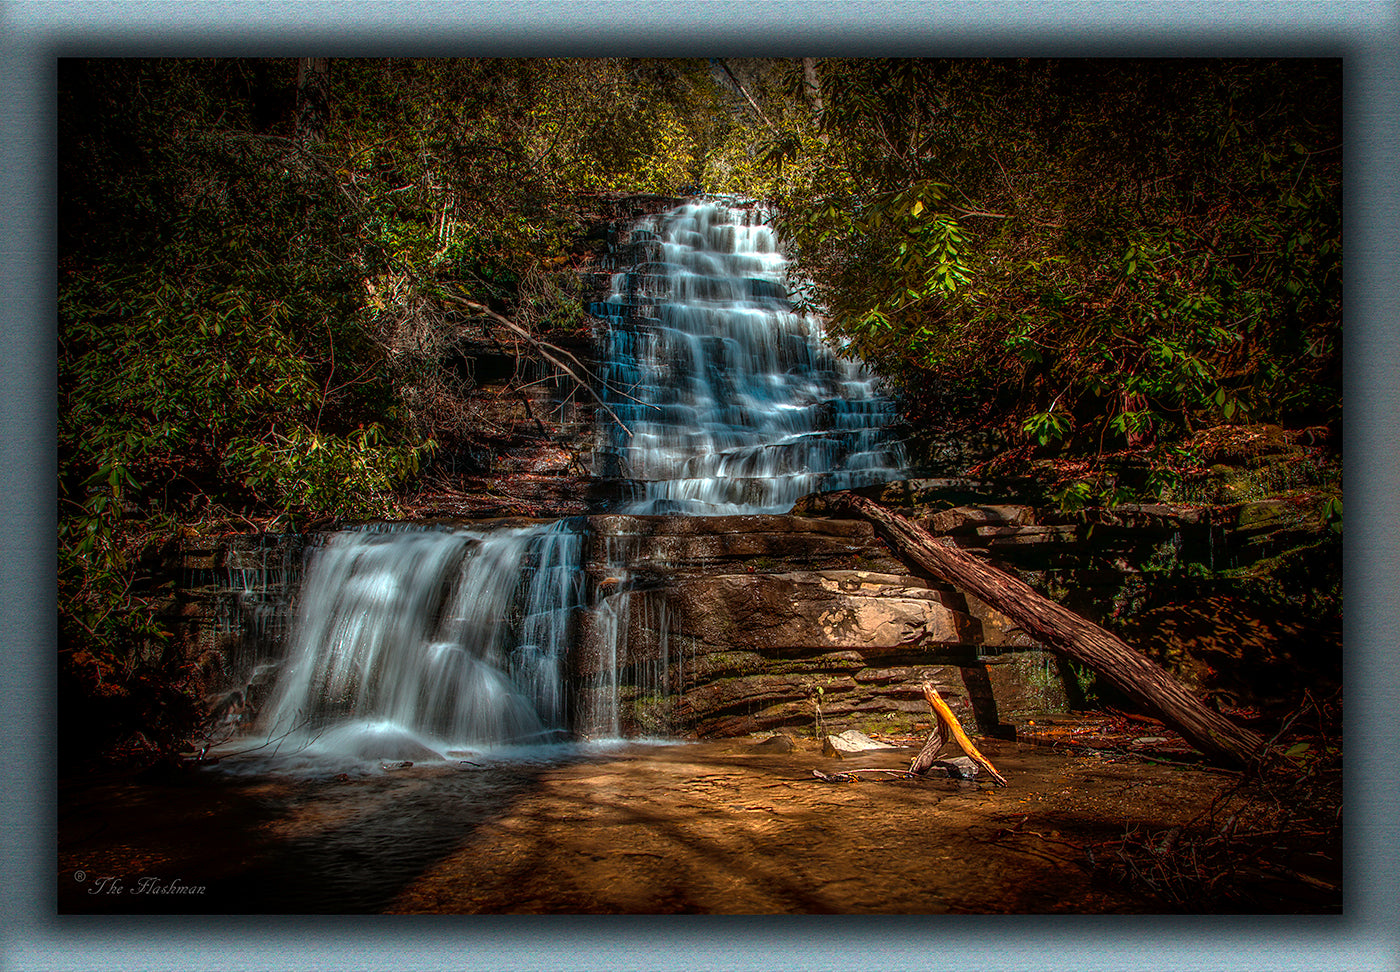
(948, 727)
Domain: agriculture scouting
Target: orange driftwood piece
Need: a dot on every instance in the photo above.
(948, 726)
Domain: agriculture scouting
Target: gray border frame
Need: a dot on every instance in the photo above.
(1363, 33)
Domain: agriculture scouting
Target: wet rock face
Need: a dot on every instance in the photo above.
(683, 546)
(746, 623)
(719, 626)
(767, 622)
(777, 613)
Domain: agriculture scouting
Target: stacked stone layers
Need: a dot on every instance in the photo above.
(767, 621)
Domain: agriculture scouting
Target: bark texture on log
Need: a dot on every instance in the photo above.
(1068, 634)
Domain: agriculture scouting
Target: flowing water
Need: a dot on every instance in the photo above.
(413, 643)
(468, 651)
(416, 642)
(729, 400)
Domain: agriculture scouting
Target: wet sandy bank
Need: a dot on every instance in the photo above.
(710, 827)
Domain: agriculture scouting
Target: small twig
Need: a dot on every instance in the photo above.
(854, 775)
(270, 740)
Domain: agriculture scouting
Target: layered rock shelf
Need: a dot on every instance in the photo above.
(740, 624)
(784, 621)
(732, 625)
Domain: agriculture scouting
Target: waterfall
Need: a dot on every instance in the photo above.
(731, 401)
(417, 642)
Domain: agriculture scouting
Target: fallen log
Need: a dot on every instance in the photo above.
(1066, 633)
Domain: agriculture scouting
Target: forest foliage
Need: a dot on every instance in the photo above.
(251, 313)
(1105, 255)
(251, 324)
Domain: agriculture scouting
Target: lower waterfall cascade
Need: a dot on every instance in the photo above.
(411, 641)
(421, 641)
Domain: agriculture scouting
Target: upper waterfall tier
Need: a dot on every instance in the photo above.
(733, 402)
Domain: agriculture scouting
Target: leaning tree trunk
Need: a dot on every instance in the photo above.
(1066, 633)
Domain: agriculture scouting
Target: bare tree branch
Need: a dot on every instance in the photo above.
(724, 66)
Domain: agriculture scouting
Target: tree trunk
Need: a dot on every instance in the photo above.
(313, 99)
(739, 86)
(1068, 634)
(812, 87)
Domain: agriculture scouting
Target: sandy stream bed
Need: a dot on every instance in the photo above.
(711, 827)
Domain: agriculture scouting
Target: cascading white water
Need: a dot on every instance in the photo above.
(729, 400)
(733, 403)
(415, 642)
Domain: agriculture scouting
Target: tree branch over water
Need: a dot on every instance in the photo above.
(550, 352)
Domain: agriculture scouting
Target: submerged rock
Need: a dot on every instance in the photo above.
(958, 768)
(778, 743)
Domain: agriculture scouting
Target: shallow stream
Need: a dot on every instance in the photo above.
(715, 827)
